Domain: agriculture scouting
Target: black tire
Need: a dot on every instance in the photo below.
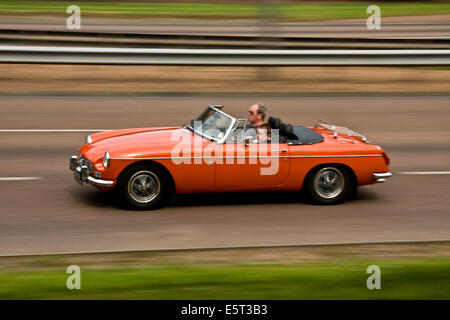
(328, 184)
(143, 187)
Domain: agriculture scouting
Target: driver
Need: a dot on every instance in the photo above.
(255, 116)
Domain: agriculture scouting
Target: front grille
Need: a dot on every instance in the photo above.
(87, 163)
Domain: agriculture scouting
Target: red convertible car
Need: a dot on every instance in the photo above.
(214, 153)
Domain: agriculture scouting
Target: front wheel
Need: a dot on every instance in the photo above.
(328, 185)
(142, 187)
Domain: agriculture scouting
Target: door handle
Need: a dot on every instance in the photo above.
(281, 151)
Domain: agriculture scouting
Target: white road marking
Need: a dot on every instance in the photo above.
(20, 178)
(423, 172)
(53, 130)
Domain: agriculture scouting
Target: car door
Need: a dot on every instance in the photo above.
(251, 165)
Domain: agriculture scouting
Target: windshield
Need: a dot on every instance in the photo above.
(212, 124)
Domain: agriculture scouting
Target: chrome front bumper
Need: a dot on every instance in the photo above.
(82, 175)
(382, 176)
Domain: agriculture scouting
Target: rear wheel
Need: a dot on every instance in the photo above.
(143, 187)
(328, 184)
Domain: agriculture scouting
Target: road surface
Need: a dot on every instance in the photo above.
(52, 214)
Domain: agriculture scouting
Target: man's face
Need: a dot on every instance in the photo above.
(252, 114)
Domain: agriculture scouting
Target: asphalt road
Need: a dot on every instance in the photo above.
(53, 214)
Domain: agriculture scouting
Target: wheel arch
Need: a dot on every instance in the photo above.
(348, 169)
(171, 181)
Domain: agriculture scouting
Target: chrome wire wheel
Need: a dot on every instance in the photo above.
(329, 182)
(144, 186)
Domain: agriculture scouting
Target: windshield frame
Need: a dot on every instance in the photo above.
(227, 132)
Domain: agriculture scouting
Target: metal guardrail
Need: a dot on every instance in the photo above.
(145, 40)
(130, 56)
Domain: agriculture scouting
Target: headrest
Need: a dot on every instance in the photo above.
(286, 129)
(274, 122)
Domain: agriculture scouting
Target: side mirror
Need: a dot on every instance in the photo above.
(246, 141)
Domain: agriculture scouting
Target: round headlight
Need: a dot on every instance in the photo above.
(88, 139)
(106, 160)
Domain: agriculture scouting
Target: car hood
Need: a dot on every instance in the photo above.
(134, 143)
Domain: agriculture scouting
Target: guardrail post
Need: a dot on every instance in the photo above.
(270, 18)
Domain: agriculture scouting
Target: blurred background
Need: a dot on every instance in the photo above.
(247, 24)
(390, 83)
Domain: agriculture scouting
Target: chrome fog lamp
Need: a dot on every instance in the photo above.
(106, 159)
(73, 162)
(88, 139)
(84, 173)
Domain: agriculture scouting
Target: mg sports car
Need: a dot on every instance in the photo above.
(215, 153)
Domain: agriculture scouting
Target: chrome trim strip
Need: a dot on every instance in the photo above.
(100, 182)
(180, 158)
(381, 177)
(341, 156)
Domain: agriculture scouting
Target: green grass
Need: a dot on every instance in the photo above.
(305, 12)
(358, 11)
(400, 279)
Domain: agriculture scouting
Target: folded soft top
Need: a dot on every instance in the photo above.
(304, 135)
(294, 134)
